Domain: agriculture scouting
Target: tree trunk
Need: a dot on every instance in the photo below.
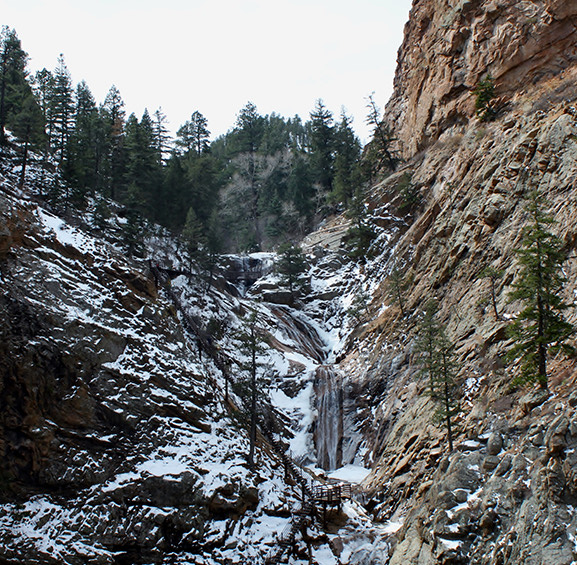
(252, 408)
(24, 159)
(448, 416)
(494, 301)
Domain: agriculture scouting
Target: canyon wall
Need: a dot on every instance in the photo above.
(507, 492)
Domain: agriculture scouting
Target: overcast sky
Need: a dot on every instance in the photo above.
(216, 55)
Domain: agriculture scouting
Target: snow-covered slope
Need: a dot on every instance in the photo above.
(117, 443)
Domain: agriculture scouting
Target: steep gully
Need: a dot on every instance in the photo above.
(328, 426)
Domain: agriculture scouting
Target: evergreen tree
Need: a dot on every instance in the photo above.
(176, 192)
(133, 230)
(300, 186)
(113, 136)
(82, 165)
(397, 285)
(347, 172)
(101, 213)
(13, 78)
(203, 184)
(162, 137)
(143, 169)
(322, 145)
(359, 306)
(383, 139)
(361, 234)
(409, 193)
(61, 103)
(540, 326)
(42, 87)
(426, 345)
(28, 127)
(249, 130)
(484, 101)
(253, 347)
(438, 363)
(193, 236)
(292, 265)
(194, 134)
(210, 257)
(447, 391)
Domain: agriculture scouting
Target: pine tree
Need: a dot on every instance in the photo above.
(300, 186)
(426, 345)
(143, 170)
(383, 138)
(397, 285)
(447, 391)
(202, 176)
(162, 139)
(438, 363)
(361, 234)
(28, 127)
(61, 104)
(540, 326)
(347, 172)
(194, 134)
(42, 87)
(132, 232)
(249, 128)
(82, 165)
(322, 145)
(175, 194)
(193, 235)
(485, 99)
(113, 136)
(13, 78)
(292, 265)
(359, 306)
(253, 347)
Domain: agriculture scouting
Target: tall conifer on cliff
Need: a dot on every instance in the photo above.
(540, 326)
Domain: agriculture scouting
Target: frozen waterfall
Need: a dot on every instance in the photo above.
(329, 424)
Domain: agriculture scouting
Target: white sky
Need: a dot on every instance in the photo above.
(216, 55)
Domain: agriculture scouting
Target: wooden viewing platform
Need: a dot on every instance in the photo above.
(332, 494)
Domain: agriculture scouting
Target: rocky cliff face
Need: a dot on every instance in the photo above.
(507, 493)
(450, 45)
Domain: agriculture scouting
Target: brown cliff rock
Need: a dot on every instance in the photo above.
(450, 45)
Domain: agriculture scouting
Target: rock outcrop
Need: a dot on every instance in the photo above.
(450, 45)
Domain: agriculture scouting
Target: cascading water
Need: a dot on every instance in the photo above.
(329, 425)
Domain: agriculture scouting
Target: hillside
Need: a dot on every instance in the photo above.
(124, 410)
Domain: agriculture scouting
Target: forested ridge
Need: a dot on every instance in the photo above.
(267, 181)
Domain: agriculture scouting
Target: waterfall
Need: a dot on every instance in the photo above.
(329, 426)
